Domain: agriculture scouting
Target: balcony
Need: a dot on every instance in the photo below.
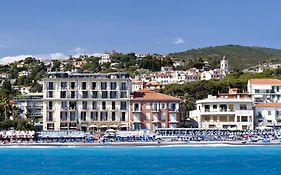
(218, 111)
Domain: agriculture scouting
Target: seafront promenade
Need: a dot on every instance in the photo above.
(168, 137)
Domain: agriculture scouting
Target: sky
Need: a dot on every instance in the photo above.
(59, 28)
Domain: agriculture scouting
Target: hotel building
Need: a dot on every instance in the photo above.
(30, 105)
(83, 101)
(231, 110)
(268, 114)
(151, 110)
(265, 90)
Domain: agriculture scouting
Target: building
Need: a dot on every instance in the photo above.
(163, 78)
(30, 105)
(224, 66)
(24, 73)
(268, 115)
(151, 110)
(265, 90)
(105, 58)
(231, 110)
(137, 85)
(85, 101)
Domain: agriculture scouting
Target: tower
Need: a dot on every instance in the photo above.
(224, 66)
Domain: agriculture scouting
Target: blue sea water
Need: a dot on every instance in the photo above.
(141, 160)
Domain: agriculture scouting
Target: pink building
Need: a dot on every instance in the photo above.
(151, 110)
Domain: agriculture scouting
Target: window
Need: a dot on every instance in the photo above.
(243, 107)
(103, 116)
(72, 116)
(136, 126)
(268, 112)
(50, 116)
(113, 105)
(123, 86)
(123, 94)
(123, 105)
(257, 91)
(83, 116)
(244, 118)
(123, 116)
(50, 86)
(113, 117)
(173, 107)
(72, 94)
(137, 107)
(50, 105)
(94, 105)
(163, 105)
(50, 126)
(63, 116)
(155, 106)
(103, 94)
(113, 94)
(72, 105)
(63, 85)
(94, 85)
(103, 105)
(64, 104)
(103, 85)
(94, 94)
(50, 94)
(84, 105)
(62, 94)
(238, 118)
(84, 85)
(113, 85)
(215, 107)
(84, 94)
(207, 108)
(72, 85)
(94, 116)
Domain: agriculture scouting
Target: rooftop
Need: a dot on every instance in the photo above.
(150, 95)
(265, 81)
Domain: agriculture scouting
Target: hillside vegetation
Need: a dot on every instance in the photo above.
(240, 57)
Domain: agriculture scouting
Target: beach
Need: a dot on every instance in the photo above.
(143, 144)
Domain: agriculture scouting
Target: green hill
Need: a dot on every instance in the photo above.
(240, 57)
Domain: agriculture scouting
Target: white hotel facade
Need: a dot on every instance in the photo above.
(85, 101)
(226, 111)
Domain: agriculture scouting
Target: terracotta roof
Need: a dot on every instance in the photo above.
(150, 95)
(265, 81)
(153, 83)
(268, 105)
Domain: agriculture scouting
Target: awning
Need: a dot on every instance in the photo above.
(92, 126)
(103, 126)
(110, 130)
(113, 126)
(123, 126)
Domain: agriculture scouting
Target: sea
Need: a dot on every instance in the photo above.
(171, 160)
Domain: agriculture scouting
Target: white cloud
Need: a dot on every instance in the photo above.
(3, 46)
(10, 59)
(178, 41)
(51, 56)
(78, 50)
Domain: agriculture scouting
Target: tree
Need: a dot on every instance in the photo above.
(56, 65)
